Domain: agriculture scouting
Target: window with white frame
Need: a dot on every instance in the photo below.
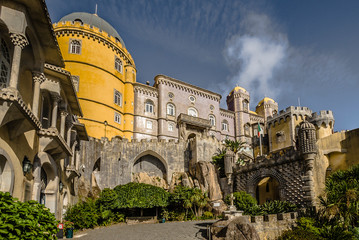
(171, 109)
(118, 64)
(149, 107)
(4, 64)
(171, 127)
(117, 98)
(75, 46)
(192, 112)
(117, 117)
(224, 125)
(212, 119)
(149, 124)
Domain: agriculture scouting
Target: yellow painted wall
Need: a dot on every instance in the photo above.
(271, 194)
(98, 79)
(279, 127)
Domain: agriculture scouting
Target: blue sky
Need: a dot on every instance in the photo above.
(286, 50)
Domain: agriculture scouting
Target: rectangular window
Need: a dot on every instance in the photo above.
(117, 118)
(118, 64)
(149, 124)
(170, 127)
(117, 98)
(224, 126)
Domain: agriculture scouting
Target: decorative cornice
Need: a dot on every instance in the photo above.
(226, 113)
(57, 69)
(183, 86)
(145, 89)
(89, 33)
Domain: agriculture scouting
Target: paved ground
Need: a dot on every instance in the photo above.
(160, 231)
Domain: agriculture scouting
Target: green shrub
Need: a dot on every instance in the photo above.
(242, 200)
(28, 220)
(299, 234)
(277, 206)
(207, 215)
(140, 195)
(83, 214)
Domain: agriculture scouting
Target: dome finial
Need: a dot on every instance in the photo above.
(96, 10)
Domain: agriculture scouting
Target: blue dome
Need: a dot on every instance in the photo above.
(93, 20)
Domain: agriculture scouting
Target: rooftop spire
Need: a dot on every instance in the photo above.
(96, 9)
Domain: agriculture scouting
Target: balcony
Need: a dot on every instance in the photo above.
(195, 122)
(53, 143)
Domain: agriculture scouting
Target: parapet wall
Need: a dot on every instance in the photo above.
(323, 117)
(289, 112)
(273, 225)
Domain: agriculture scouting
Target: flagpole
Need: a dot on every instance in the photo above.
(260, 143)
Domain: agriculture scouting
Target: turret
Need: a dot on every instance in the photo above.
(307, 139)
(323, 122)
(267, 107)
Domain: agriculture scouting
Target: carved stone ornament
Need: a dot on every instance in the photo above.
(38, 77)
(19, 40)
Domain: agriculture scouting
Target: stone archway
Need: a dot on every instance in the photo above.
(46, 181)
(267, 190)
(266, 174)
(7, 175)
(151, 166)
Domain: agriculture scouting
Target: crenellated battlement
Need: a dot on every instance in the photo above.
(323, 117)
(290, 112)
(89, 31)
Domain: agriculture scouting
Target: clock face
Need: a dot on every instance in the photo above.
(170, 95)
(192, 98)
(211, 107)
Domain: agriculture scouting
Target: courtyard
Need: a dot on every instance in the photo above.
(171, 230)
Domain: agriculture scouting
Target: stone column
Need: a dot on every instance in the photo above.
(64, 114)
(38, 78)
(73, 154)
(55, 101)
(69, 128)
(19, 42)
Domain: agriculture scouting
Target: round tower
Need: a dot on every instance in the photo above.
(323, 122)
(267, 107)
(103, 72)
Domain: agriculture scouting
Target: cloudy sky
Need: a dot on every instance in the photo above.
(296, 52)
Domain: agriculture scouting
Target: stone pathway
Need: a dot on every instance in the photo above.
(161, 231)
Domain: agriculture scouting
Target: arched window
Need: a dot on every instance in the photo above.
(245, 106)
(4, 64)
(149, 107)
(118, 64)
(225, 125)
(192, 112)
(212, 119)
(171, 109)
(75, 46)
(117, 117)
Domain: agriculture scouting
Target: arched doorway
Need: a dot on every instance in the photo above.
(6, 175)
(267, 190)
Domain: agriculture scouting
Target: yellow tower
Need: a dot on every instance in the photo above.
(103, 73)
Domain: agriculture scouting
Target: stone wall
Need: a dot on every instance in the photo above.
(107, 164)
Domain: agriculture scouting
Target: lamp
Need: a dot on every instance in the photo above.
(61, 186)
(26, 165)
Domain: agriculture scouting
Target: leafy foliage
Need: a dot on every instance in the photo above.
(83, 214)
(299, 234)
(276, 206)
(140, 195)
(189, 198)
(25, 220)
(242, 200)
